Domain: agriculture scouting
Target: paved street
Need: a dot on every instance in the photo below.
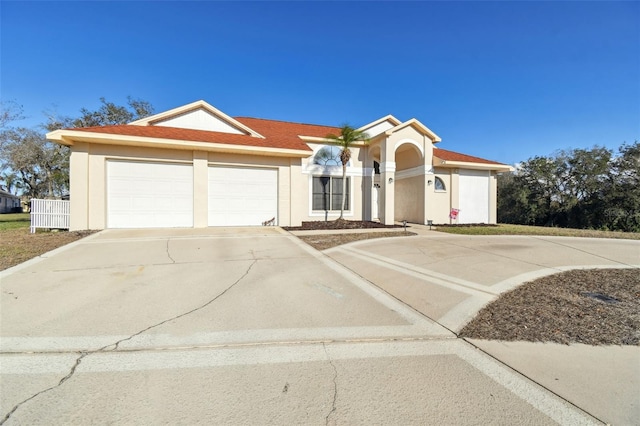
(252, 326)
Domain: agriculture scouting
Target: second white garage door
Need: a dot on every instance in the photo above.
(242, 196)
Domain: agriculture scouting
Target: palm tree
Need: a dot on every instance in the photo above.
(11, 182)
(348, 136)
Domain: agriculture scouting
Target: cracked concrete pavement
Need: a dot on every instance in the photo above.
(249, 325)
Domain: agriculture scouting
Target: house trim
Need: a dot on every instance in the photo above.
(416, 171)
(448, 164)
(69, 137)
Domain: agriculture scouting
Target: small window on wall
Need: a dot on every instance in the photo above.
(439, 184)
(327, 193)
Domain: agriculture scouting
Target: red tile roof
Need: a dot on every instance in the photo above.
(278, 134)
(456, 156)
(285, 129)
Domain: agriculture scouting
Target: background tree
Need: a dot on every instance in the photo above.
(348, 136)
(10, 182)
(10, 111)
(33, 160)
(40, 168)
(108, 114)
(580, 188)
(621, 209)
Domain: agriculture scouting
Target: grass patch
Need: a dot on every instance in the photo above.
(14, 221)
(507, 229)
(18, 245)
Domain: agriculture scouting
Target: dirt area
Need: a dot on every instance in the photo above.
(18, 245)
(326, 241)
(594, 307)
(323, 242)
(338, 224)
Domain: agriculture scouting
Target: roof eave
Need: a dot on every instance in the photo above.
(448, 164)
(69, 137)
(315, 139)
(388, 117)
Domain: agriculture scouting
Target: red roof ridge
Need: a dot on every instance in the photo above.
(287, 122)
(458, 156)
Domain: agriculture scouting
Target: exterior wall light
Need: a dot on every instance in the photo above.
(429, 182)
(390, 180)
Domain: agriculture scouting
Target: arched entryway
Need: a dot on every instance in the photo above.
(409, 182)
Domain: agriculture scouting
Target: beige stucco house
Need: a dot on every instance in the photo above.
(195, 166)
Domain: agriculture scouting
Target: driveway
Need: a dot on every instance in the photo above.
(449, 278)
(249, 325)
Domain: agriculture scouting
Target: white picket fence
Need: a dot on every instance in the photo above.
(50, 214)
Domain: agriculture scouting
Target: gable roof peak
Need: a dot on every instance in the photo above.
(159, 118)
(416, 124)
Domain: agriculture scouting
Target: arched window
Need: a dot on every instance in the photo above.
(328, 156)
(439, 184)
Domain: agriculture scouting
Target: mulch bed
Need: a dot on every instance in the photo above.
(338, 224)
(326, 241)
(594, 307)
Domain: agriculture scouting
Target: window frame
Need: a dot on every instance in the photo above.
(437, 179)
(348, 211)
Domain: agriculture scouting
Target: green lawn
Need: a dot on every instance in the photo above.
(14, 221)
(505, 229)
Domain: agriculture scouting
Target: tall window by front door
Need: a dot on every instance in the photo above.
(327, 193)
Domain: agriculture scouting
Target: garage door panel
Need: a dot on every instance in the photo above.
(242, 196)
(149, 195)
(474, 196)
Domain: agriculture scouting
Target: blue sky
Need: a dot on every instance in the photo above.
(501, 80)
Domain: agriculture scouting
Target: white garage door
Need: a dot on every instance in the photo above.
(474, 196)
(241, 196)
(149, 195)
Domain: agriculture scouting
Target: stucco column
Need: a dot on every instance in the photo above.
(455, 192)
(79, 187)
(387, 182)
(200, 189)
(428, 194)
(298, 190)
(493, 198)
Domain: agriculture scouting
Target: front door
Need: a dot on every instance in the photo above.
(375, 201)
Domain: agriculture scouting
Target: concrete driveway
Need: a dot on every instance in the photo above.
(249, 325)
(449, 278)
